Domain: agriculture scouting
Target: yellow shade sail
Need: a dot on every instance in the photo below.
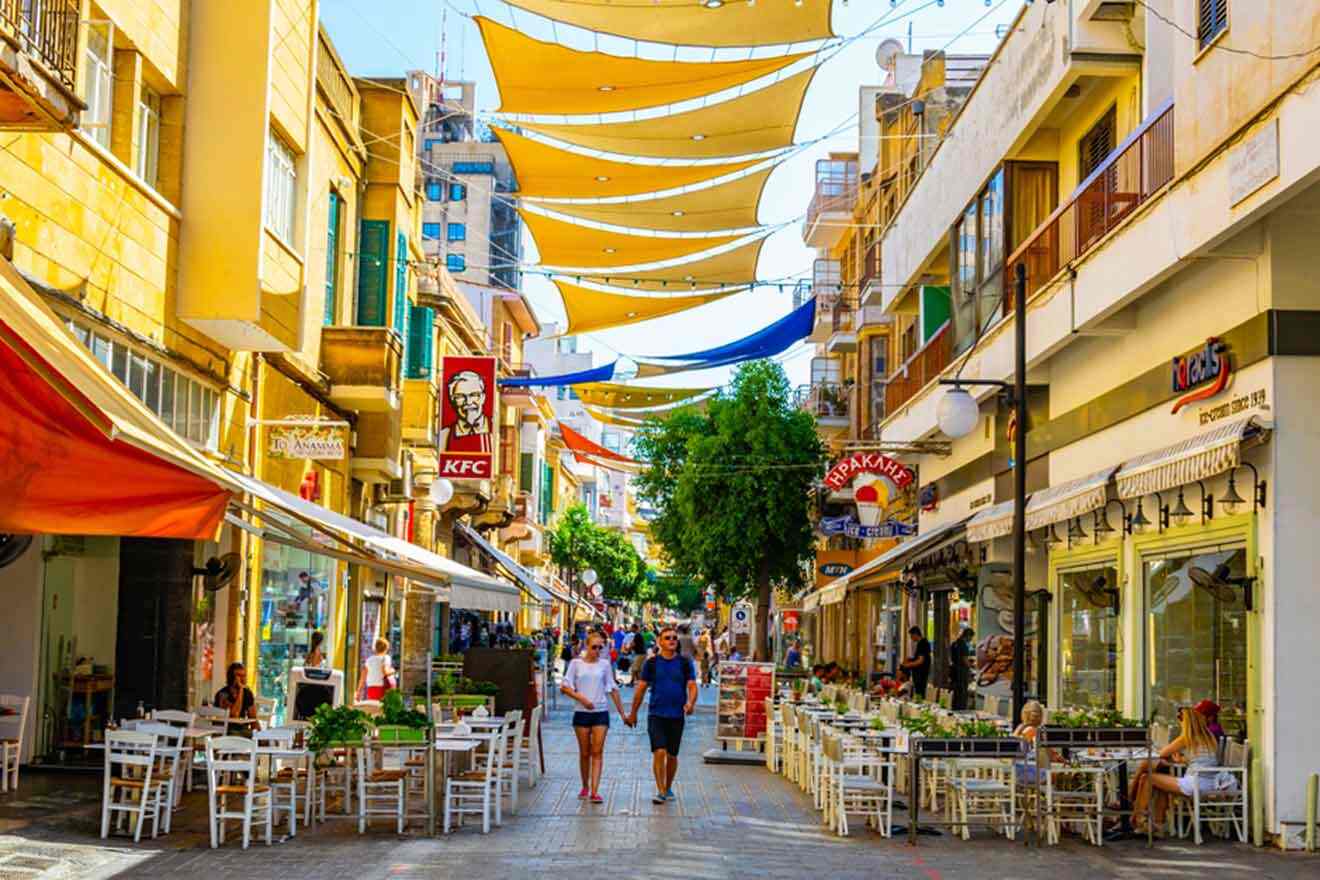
(753, 123)
(731, 268)
(545, 171)
(610, 418)
(650, 371)
(590, 310)
(731, 205)
(691, 23)
(593, 82)
(561, 243)
(618, 396)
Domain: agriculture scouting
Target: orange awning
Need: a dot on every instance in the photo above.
(78, 453)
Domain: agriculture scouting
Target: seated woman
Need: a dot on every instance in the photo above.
(1033, 716)
(237, 698)
(1195, 746)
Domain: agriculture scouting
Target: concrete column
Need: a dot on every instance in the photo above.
(418, 604)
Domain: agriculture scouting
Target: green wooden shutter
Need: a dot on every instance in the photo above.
(373, 254)
(547, 490)
(935, 310)
(527, 473)
(332, 261)
(421, 342)
(401, 286)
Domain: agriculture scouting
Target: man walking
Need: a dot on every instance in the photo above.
(673, 684)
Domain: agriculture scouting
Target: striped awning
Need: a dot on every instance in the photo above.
(993, 522)
(834, 592)
(1070, 499)
(1197, 458)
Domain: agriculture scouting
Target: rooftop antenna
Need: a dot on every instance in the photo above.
(440, 56)
(909, 36)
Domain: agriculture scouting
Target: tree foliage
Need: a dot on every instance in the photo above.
(731, 488)
(577, 543)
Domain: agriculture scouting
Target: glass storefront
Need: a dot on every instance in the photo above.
(298, 593)
(1196, 634)
(1088, 608)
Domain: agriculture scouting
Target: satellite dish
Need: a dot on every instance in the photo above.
(219, 571)
(887, 51)
(12, 547)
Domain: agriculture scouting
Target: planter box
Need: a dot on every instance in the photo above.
(1094, 737)
(967, 747)
(463, 701)
(397, 733)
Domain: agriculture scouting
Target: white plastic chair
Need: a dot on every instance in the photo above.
(169, 761)
(381, 791)
(235, 757)
(511, 745)
(11, 748)
(283, 781)
(529, 756)
(475, 792)
(211, 721)
(130, 763)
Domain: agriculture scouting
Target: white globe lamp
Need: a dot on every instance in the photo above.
(957, 413)
(442, 491)
(589, 577)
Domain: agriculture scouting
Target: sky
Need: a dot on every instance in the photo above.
(386, 37)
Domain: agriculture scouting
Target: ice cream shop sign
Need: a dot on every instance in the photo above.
(846, 470)
(880, 484)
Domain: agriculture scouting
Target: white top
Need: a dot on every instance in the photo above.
(378, 666)
(595, 681)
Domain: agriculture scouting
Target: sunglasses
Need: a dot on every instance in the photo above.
(594, 647)
(669, 638)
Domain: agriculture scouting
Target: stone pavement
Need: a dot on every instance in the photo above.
(728, 822)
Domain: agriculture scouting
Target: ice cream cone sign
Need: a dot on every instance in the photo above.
(872, 498)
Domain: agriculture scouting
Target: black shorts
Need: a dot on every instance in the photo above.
(591, 719)
(665, 733)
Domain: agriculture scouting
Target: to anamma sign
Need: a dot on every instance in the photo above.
(870, 463)
(1211, 363)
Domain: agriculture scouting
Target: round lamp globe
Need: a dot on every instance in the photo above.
(589, 576)
(442, 491)
(957, 413)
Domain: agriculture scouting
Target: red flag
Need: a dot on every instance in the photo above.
(584, 449)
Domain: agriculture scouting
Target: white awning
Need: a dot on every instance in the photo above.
(1197, 458)
(891, 560)
(1067, 500)
(993, 522)
(467, 588)
(834, 592)
(811, 601)
(521, 575)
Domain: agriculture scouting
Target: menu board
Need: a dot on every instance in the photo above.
(744, 688)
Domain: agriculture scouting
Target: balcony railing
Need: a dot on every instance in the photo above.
(870, 267)
(920, 369)
(843, 314)
(47, 29)
(1131, 174)
(825, 400)
(836, 190)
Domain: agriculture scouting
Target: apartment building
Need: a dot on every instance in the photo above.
(1154, 184)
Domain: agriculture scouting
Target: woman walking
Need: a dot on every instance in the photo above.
(590, 681)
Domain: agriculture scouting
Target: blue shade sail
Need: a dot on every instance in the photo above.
(595, 374)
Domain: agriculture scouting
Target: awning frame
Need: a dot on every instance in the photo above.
(522, 578)
(1197, 458)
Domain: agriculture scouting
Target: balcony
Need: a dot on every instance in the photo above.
(39, 65)
(1136, 170)
(421, 410)
(844, 319)
(830, 211)
(919, 370)
(519, 398)
(868, 284)
(829, 403)
(364, 367)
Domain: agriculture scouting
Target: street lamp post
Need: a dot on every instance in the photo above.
(958, 415)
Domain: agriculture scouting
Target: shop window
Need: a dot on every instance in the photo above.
(297, 599)
(1196, 635)
(1211, 20)
(1088, 637)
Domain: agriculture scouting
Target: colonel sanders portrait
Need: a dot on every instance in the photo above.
(470, 429)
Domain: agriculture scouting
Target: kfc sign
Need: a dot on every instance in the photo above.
(870, 463)
(467, 417)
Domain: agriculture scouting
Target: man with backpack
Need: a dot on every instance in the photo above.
(672, 680)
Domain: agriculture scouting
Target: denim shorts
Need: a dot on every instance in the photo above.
(591, 719)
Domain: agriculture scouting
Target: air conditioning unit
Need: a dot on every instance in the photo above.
(402, 488)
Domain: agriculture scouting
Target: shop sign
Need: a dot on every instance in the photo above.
(835, 569)
(311, 442)
(849, 527)
(1211, 363)
(467, 417)
(869, 463)
(740, 620)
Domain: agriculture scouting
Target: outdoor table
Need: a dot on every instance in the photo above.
(302, 756)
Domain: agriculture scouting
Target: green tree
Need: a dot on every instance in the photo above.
(731, 488)
(577, 543)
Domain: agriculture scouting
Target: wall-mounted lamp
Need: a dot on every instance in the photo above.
(1232, 500)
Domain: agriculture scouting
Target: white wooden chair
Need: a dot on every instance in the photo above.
(983, 792)
(1224, 805)
(858, 782)
(184, 721)
(1074, 796)
(382, 791)
(211, 721)
(530, 754)
(283, 781)
(475, 792)
(265, 711)
(773, 739)
(130, 763)
(169, 762)
(11, 747)
(231, 771)
(507, 771)
(789, 736)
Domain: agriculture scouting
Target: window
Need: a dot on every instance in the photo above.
(457, 192)
(455, 262)
(146, 159)
(431, 142)
(978, 254)
(1196, 635)
(281, 185)
(568, 345)
(187, 406)
(434, 190)
(474, 168)
(1211, 20)
(431, 231)
(99, 75)
(1088, 637)
(1096, 145)
(456, 232)
(332, 260)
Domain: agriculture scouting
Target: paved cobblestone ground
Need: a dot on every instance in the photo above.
(728, 822)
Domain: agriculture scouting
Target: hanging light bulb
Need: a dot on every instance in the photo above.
(1139, 520)
(1181, 512)
(1075, 532)
(1232, 500)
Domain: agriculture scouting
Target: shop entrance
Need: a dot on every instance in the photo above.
(154, 624)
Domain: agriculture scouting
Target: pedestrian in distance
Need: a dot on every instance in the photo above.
(918, 665)
(672, 680)
(590, 682)
(961, 654)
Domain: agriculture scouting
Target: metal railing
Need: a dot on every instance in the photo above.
(1128, 177)
(870, 267)
(843, 314)
(47, 29)
(919, 369)
(836, 190)
(826, 400)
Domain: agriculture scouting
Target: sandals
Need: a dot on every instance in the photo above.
(597, 799)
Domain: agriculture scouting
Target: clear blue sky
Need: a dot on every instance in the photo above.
(385, 37)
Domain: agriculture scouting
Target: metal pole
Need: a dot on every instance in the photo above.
(1020, 496)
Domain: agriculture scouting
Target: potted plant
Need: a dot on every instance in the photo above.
(458, 692)
(399, 724)
(337, 727)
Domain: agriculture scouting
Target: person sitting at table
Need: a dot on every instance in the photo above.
(235, 696)
(1195, 746)
(1209, 709)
